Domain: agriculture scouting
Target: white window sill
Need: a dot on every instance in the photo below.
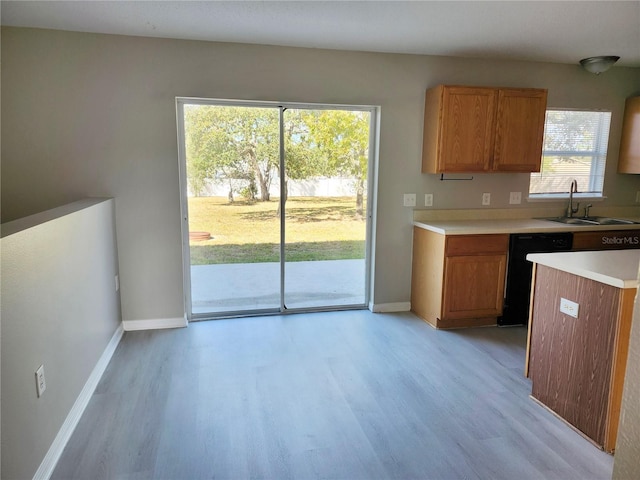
(555, 197)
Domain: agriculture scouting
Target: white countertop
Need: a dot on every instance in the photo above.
(516, 225)
(618, 268)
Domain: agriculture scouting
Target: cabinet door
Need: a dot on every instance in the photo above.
(473, 286)
(629, 159)
(519, 130)
(466, 129)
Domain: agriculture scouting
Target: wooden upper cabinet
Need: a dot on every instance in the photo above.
(629, 159)
(482, 129)
(464, 128)
(519, 130)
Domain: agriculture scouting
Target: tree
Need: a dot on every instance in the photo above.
(342, 140)
(256, 133)
(225, 143)
(302, 160)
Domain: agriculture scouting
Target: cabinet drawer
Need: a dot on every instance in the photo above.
(608, 240)
(475, 244)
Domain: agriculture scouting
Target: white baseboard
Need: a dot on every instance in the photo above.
(154, 324)
(64, 434)
(391, 307)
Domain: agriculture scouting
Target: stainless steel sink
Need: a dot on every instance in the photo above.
(572, 220)
(590, 220)
(610, 221)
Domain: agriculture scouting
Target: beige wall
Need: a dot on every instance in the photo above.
(86, 114)
(60, 309)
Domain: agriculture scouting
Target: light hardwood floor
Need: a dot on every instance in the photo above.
(350, 395)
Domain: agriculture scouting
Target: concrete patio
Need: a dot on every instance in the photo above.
(254, 286)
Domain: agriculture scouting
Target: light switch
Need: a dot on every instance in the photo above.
(428, 199)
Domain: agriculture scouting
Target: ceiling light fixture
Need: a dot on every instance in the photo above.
(598, 65)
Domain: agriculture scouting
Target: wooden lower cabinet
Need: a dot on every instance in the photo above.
(458, 281)
(577, 365)
(473, 286)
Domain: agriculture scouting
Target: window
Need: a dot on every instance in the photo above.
(575, 147)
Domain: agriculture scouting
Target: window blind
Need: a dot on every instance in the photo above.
(575, 147)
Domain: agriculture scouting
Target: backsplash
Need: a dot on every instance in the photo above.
(423, 215)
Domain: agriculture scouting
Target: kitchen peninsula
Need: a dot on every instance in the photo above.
(580, 320)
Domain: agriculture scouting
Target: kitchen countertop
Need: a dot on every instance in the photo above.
(618, 268)
(516, 225)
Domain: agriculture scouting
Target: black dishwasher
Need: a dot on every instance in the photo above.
(518, 290)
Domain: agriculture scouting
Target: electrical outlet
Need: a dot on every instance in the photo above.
(41, 385)
(409, 199)
(117, 283)
(486, 199)
(515, 198)
(569, 307)
(428, 199)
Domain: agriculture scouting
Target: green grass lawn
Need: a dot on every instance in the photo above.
(324, 228)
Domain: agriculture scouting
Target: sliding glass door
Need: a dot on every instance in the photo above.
(326, 164)
(275, 206)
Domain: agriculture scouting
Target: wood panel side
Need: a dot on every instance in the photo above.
(431, 129)
(570, 361)
(427, 274)
(629, 157)
(619, 367)
(531, 308)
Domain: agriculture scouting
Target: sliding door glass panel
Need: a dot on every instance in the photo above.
(232, 159)
(325, 191)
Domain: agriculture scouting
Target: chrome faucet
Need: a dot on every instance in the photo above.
(573, 189)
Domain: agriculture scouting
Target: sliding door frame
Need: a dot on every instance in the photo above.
(372, 176)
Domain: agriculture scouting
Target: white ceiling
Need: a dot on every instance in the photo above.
(548, 31)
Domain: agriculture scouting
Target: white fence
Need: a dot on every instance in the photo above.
(312, 187)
